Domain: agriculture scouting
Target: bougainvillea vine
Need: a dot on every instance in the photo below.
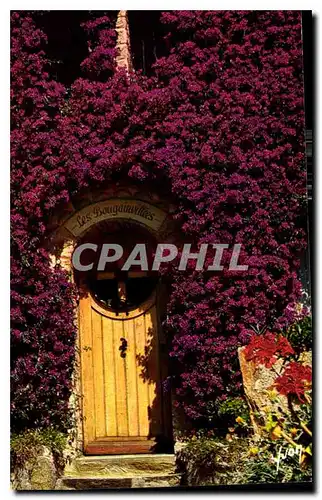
(218, 128)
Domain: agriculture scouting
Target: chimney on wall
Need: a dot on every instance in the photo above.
(123, 58)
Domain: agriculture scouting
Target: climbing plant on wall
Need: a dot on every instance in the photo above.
(43, 334)
(219, 128)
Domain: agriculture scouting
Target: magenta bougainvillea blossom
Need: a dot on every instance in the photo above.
(219, 129)
(43, 333)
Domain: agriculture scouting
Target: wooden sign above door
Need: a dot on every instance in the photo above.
(116, 208)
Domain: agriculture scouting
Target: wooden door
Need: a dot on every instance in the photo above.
(124, 410)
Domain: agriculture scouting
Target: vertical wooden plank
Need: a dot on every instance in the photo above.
(120, 377)
(153, 370)
(142, 376)
(86, 359)
(98, 374)
(166, 407)
(131, 382)
(109, 378)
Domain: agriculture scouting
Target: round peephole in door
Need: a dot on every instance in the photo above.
(122, 293)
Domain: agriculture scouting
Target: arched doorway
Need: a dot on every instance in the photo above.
(122, 351)
(122, 355)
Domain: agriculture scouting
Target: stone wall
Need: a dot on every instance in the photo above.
(38, 473)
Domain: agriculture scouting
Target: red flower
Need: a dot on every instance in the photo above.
(295, 380)
(266, 349)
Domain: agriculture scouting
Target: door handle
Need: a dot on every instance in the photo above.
(123, 347)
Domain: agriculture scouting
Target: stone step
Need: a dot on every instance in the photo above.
(127, 466)
(122, 482)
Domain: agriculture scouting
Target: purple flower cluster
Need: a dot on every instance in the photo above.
(43, 332)
(219, 130)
